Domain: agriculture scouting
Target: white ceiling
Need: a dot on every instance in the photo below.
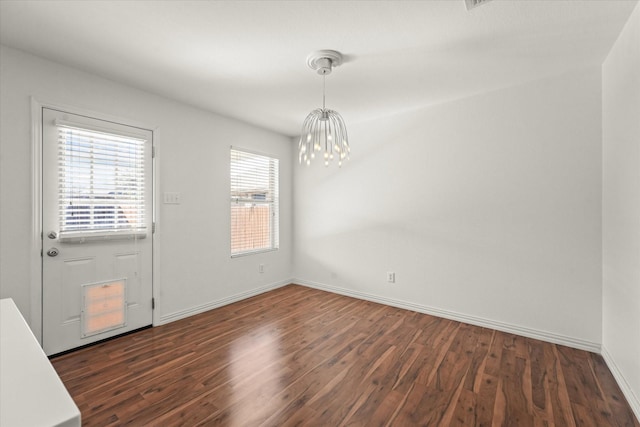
(247, 59)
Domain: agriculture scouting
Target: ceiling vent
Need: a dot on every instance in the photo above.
(474, 3)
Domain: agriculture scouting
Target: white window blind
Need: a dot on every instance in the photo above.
(101, 182)
(254, 202)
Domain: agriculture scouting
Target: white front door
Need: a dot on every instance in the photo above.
(97, 229)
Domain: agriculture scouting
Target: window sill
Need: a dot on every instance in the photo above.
(101, 236)
(258, 251)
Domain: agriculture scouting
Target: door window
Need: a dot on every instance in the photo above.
(101, 183)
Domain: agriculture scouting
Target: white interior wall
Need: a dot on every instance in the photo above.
(621, 209)
(194, 269)
(487, 209)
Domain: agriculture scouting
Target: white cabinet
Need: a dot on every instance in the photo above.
(31, 393)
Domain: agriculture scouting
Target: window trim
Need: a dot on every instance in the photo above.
(275, 204)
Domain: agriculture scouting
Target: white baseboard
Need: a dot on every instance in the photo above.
(177, 315)
(447, 314)
(633, 400)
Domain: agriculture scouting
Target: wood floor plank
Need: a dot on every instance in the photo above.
(486, 400)
(513, 389)
(465, 413)
(299, 356)
(611, 392)
(475, 372)
(560, 400)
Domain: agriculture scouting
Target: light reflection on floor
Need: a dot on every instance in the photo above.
(256, 359)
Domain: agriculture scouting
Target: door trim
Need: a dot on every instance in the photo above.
(35, 238)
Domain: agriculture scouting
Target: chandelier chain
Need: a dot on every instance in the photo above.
(324, 91)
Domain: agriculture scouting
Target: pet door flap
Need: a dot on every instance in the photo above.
(104, 307)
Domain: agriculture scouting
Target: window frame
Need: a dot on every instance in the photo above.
(272, 201)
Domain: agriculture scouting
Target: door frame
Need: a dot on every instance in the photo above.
(36, 237)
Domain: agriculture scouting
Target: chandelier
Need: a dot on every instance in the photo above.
(323, 131)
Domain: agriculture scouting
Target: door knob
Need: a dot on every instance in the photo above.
(53, 252)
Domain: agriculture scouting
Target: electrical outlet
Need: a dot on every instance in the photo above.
(260, 268)
(391, 277)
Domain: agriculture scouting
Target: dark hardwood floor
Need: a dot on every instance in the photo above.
(299, 356)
